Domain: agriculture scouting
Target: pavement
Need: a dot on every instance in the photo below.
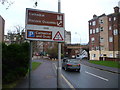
(45, 76)
(105, 68)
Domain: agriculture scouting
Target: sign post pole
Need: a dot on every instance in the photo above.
(59, 58)
(30, 64)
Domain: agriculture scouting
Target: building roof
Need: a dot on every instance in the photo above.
(2, 18)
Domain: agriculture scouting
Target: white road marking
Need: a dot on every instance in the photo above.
(70, 85)
(96, 76)
(55, 67)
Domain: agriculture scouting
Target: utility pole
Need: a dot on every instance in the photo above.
(59, 56)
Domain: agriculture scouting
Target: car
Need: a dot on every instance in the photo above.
(37, 54)
(71, 64)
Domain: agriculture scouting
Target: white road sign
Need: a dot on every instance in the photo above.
(44, 25)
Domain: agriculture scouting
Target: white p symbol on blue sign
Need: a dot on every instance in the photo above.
(31, 34)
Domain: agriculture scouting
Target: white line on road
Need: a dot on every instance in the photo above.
(71, 86)
(55, 66)
(96, 76)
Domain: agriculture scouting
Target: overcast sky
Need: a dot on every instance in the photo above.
(77, 14)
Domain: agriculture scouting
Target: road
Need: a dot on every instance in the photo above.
(87, 78)
(91, 78)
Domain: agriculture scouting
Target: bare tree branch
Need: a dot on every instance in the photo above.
(8, 3)
(19, 28)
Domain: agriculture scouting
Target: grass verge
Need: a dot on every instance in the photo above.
(35, 65)
(12, 85)
(107, 63)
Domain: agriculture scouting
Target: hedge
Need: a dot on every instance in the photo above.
(15, 62)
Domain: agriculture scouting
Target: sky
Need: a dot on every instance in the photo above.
(77, 14)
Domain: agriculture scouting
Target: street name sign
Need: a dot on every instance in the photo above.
(44, 25)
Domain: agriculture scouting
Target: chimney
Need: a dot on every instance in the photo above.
(116, 9)
(94, 16)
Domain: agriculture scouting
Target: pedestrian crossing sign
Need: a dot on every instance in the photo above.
(58, 37)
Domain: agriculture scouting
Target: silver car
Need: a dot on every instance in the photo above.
(71, 64)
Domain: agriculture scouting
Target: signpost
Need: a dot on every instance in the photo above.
(45, 26)
(59, 54)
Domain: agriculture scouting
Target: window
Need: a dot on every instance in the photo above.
(109, 19)
(94, 23)
(101, 28)
(101, 55)
(117, 55)
(94, 55)
(101, 21)
(90, 23)
(114, 18)
(92, 39)
(110, 39)
(115, 32)
(97, 30)
(110, 27)
(104, 55)
(101, 39)
(90, 31)
(15, 38)
(111, 55)
(102, 47)
(93, 30)
(93, 48)
(97, 48)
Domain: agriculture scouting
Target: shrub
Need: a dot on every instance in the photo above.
(15, 62)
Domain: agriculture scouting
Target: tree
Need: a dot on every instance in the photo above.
(8, 3)
(18, 35)
(53, 52)
(19, 29)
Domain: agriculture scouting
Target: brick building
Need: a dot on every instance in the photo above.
(104, 36)
(2, 24)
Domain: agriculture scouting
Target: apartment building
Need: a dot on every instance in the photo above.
(114, 33)
(2, 24)
(67, 37)
(104, 36)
